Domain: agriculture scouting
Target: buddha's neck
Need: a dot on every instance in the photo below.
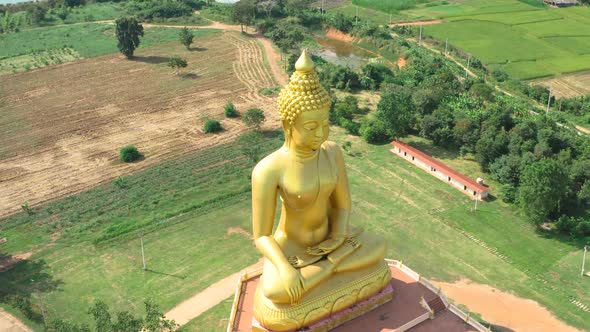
(302, 154)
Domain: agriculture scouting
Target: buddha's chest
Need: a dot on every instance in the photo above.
(303, 184)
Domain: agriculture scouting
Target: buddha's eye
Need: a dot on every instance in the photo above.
(310, 126)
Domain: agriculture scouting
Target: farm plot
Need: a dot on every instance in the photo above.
(61, 127)
(527, 44)
(568, 85)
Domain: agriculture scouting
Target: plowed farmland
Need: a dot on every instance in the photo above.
(61, 127)
(567, 86)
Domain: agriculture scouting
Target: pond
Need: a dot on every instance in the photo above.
(343, 53)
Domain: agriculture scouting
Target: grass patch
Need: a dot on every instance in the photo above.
(426, 222)
(87, 13)
(220, 12)
(368, 14)
(183, 20)
(212, 320)
(45, 46)
(181, 206)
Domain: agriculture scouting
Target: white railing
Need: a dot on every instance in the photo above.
(467, 319)
(413, 322)
(437, 290)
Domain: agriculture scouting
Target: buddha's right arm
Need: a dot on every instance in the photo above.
(264, 201)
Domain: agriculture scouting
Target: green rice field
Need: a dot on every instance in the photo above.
(526, 42)
(524, 38)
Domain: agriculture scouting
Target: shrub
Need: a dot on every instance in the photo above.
(375, 132)
(129, 154)
(254, 117)
(270, 91)
(212, 126)
(230, 110)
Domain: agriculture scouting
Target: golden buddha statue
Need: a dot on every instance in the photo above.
(315, 263)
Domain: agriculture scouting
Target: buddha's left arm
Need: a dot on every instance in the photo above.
(340, 201)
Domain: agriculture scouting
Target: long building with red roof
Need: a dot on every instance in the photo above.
(440, 170)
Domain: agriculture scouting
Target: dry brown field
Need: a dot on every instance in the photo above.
(61, 127)
(567, 86)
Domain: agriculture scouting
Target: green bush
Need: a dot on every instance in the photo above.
(270, 91)
(129, 154)
(230, 110)
(254, 118)
(212, 126)
(375, 132)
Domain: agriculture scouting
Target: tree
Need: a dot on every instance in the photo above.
(251, 145)
(544, 186)
(186, 37)
(396, 110)
(254, 118)
(102, 316)
(37, 13)
(244, 12)
(128, 32)
(74, 3)
(177, 63)
(155, 321)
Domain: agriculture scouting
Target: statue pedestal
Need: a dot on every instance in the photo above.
(332, 303)
(342, 316)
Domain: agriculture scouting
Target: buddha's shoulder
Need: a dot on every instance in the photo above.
(269, 166)
(332, 149)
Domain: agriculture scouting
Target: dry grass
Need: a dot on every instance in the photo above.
(61, 126)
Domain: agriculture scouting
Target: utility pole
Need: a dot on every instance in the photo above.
(584, 260)
(142, 255)
(548, 101)
(468, 63)
(475, 203)
(446, 46)
(420, 38)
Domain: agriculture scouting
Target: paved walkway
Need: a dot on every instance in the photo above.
(208, 298)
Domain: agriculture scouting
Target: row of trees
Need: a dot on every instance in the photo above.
(153, 321)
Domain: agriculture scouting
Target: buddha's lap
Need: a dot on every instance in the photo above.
(371, 252)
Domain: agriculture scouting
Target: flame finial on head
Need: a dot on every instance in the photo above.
(304, 91)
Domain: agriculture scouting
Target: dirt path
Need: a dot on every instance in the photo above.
(9, 323)
(273, 57)
(499, 308)
(415, 23)
(208, 298)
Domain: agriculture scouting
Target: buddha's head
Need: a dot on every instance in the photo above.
(304, 107)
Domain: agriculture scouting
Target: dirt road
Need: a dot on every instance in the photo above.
(499, 308)
(9, 323)
(203, 301)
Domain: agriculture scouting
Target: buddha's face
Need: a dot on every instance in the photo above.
(311, 129)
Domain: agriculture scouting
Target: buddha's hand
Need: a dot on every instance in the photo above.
(327, 246)
(292, 282)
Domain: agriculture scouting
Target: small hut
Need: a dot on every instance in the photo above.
(561, 3)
